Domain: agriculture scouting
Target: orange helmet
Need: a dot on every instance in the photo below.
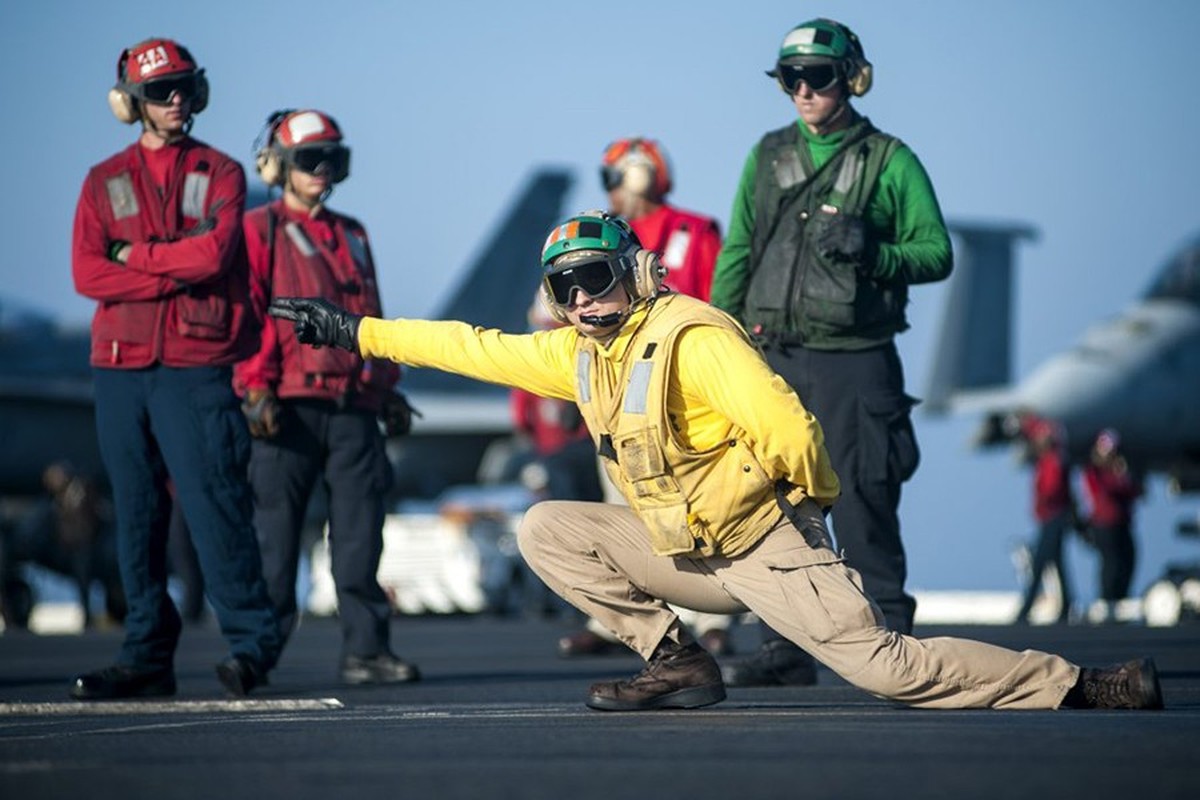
(638, 165)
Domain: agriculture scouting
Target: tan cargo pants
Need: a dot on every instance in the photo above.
(598, 558)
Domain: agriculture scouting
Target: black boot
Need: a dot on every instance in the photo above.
(778, 662)
(124, 680)
(1132, 685)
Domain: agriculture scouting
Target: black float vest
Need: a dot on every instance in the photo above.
(796, 295)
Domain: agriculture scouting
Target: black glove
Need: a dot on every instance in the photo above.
(318, 321)
(396, 414)
(844, 238)
(263, 413)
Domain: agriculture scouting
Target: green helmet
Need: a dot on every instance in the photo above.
(594, 232)
(821, 38)
(594, 252)
(826, 40)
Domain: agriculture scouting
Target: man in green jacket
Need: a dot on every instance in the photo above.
(831, 223)
(726, 477)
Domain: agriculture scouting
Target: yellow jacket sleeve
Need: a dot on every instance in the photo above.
(541, 362)
(718, 370)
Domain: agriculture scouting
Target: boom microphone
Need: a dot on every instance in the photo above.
(602, 322)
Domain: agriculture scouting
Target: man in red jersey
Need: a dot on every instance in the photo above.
(158, 245)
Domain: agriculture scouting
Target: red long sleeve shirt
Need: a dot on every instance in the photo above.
(182, 297)
(686, 243)
(1112, 494)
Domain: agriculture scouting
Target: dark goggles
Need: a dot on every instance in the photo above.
(819, 77)
(162, 90)
(611, 177)
(330, 160)
(593, 278)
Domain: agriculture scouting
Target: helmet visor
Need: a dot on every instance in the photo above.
(593, 278)
(162, 90)
(819, 77)
(330, 160)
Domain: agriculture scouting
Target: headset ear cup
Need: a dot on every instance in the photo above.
(638, 178)
(200, 102)
(123, 106)
(269, 166)
(859, 81)
(649, 274)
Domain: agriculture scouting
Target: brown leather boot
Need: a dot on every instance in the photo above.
(1132, 685)
(675, 677)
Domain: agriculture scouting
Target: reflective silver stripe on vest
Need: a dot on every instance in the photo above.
(583, 370)
(121, 197)
(638, 389)
(852, 167)
(195, 193)
(789, 169)
(299, 239)
(358, 249)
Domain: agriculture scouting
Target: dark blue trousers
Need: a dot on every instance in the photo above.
(183, 425)
(345, 449)
(859, 399)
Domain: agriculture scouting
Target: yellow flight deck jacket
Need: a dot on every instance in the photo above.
(700, 427)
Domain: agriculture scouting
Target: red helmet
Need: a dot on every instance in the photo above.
(306, 126)
(639, 165)
(306, 139)
(152, 59)
(153, 70)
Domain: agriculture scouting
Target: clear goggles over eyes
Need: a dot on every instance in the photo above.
(330, 160)
(818, 77)
(593, 278)
(161, 91)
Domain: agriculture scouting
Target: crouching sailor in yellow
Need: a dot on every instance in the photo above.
(726, 476)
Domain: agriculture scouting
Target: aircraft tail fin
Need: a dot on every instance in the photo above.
(496, 290)
(974, 349)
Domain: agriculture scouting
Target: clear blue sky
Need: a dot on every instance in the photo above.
(1070, 115)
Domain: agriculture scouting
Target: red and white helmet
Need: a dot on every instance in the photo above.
(306, 139)
(306, 126)
(152, 71)
(637, 165)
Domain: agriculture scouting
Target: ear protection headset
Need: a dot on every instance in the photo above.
(268, 157)
(859, 74)
(642, 164)
(123, 98)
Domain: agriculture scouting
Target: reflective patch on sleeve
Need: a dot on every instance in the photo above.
(299, 239)
(583, 376)
(638, 389)
(121, 197)
(358, 249)
(195, 194)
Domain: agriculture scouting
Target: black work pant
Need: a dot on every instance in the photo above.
(345, 449)
(1048, 552)
(1117, 558)
(858, 397)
